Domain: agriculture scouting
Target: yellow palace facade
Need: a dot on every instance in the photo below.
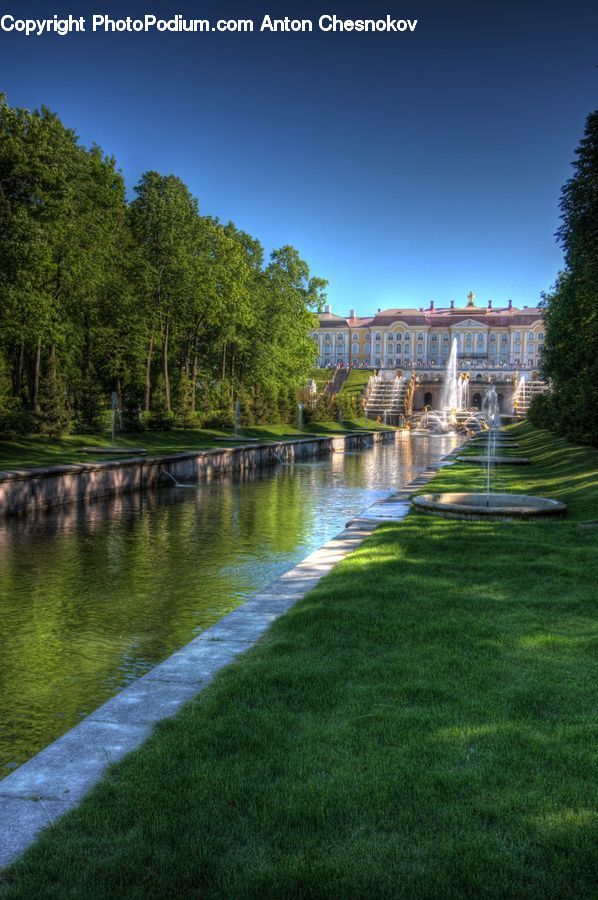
(488, 337)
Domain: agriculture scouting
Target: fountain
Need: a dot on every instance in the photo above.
(487, 503)
(176, 483)
(519, 394)
(490, 409)
(453, 414)
(115, 425)
(300, 416)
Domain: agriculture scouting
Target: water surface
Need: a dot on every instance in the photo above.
(92, 597)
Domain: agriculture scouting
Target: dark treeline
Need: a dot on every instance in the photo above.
(570, 357)
(177, 313)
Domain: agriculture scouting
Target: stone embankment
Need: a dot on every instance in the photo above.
(28, 490)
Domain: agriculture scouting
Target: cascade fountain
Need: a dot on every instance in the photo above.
(487, 503)
(454, 401)
(519, 394)
(491, 411)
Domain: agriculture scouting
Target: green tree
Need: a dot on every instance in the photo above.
(148, 299)
(165, 224)
(61, 210)
(570, 356)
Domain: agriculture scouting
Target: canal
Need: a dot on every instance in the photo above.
(92, 597)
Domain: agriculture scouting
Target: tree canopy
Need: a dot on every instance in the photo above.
(570, 357)
(179, 314)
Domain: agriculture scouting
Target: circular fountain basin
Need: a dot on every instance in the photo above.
(496, 460)
(497, 506)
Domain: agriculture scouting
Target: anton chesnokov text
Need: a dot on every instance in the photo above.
(103, 23)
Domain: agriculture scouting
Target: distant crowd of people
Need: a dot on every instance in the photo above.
(462, 364)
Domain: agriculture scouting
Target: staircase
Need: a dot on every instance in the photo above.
(385, 399)
(334, 386)
(525, 393)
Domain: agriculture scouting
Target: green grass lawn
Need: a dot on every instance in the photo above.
(32, 451)
(356, 382)
(422, 724)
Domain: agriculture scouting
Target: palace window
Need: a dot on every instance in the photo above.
(517, 335)
(389, 338)
(407, 337)
(378, 337)
(541, 336)
(378, 348)
(492, 338)
(434, 337)
(420, 336)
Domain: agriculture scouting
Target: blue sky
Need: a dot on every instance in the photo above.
(402, 167)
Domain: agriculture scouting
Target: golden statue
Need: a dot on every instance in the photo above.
(470, 298)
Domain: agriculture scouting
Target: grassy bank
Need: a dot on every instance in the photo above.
(357, 382)
(419, 726)
(35, 450)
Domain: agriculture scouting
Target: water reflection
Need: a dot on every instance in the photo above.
(92, 597)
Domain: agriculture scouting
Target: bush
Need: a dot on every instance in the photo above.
(90, 416)
(53, 417)
(185, 416)
(324, 409)
(542, 411)
(160, 417)
(17, 423)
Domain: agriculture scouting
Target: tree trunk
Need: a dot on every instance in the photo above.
(86, 350)
(224, 361)
(18, 384)
(36, 371)
(165, 367)
(148, 376)
(193, 382)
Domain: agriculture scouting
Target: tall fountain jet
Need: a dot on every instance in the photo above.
(455, 388)
(491, 410)
(449, 397)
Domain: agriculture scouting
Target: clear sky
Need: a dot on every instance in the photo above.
(403, 167)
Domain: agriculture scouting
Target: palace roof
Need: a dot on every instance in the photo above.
(444, 317)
